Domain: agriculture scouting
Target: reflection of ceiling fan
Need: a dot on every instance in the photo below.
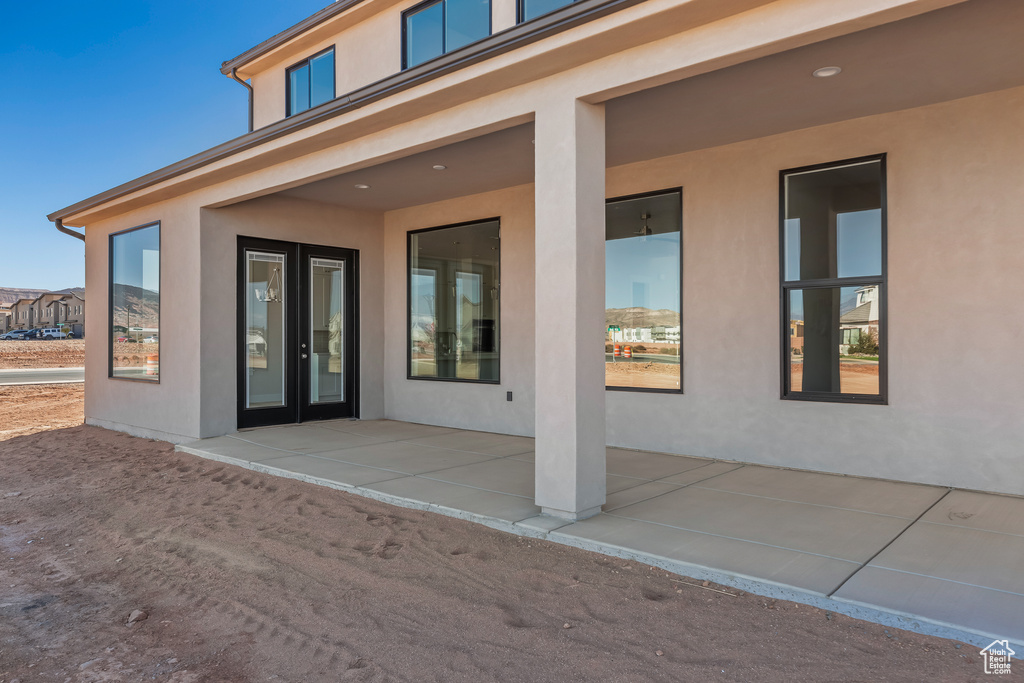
(271, 295)
(645, 230)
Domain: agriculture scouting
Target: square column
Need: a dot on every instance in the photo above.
(570, 304)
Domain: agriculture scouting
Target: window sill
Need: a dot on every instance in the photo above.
(864, 399)
(644, 390)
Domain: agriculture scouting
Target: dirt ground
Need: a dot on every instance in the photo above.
(245, 577)
(854, 378)
(38, 353)
(646, 375)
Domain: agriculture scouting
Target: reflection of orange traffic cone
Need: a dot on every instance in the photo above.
(629, 352)
(153, 364)
(618, 351)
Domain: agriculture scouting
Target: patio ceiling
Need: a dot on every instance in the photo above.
(959, 51)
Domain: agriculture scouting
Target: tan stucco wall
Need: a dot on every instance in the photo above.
(954, 245)
(954, 179)
(471, 406)
(296, 221)
(363, 54)
(168, 410)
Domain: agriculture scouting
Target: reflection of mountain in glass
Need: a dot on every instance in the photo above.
(638, 316)
(144, 311)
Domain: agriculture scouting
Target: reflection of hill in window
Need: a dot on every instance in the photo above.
(145, 306)
(638, 316)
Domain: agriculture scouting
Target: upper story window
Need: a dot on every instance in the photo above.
(833, 281)
(531, 9)
(437, 27)
(311, 82)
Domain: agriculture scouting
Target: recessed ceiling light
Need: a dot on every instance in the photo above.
(361, 186)
(440, 167)
(827, 71)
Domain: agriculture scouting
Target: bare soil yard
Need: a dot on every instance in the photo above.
(37, 353)
(245, 577)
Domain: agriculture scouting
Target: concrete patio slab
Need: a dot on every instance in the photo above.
(403, 456)
(513, 477)
(649, 465)
(389, 430)
(500, 507)
(920, 557)
(833, 532)
(636, 494)
(852, 493)
(303, 438)
(970, 556)
(498, 445)
(313, 467)
(994, 613)
(1004, 514)
(806, 571)
(702, 473)
(230, 448)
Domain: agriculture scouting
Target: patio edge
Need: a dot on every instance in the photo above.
(761, 587)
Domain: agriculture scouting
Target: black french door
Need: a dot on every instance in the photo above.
(297, 358)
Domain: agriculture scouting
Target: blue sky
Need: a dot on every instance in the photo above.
(642, 272)
(96, 94)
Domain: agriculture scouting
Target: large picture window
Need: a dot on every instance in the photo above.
(454, 298)
(437, 27)
(311, 82)
(833, 281)
(643, 322)
(135, 303)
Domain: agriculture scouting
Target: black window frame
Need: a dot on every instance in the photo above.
(298, 65)
(110, 299)
(408, 304)
(444, 33)
(643, 195)
(521, 14)
(786, 286)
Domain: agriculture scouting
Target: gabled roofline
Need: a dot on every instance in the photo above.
(286, 35)
(510, 39)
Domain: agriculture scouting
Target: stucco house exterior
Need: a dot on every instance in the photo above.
(69, 311)
(438, 202)
(23, 314)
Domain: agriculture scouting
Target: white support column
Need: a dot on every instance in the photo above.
(570, 232)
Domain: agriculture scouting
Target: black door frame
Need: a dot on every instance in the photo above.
(297, 407)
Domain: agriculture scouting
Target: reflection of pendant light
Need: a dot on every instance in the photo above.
(271, 295)
(645, 230)
(454, 291)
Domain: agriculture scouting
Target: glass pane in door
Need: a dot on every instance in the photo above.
(326, 331)
(265, 330)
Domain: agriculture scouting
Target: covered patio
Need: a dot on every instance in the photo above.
(930, 559)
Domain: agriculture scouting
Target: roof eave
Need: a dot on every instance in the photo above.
(287, 35)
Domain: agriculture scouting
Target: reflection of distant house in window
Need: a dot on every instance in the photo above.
(861, 319)
(796, 336)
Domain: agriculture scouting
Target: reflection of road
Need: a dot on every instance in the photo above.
(42, 376)
(642, 358)
(798, 360)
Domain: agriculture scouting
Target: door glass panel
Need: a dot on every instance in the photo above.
(326, 331)
(265, 330)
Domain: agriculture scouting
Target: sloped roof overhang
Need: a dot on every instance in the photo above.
(518, 36)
